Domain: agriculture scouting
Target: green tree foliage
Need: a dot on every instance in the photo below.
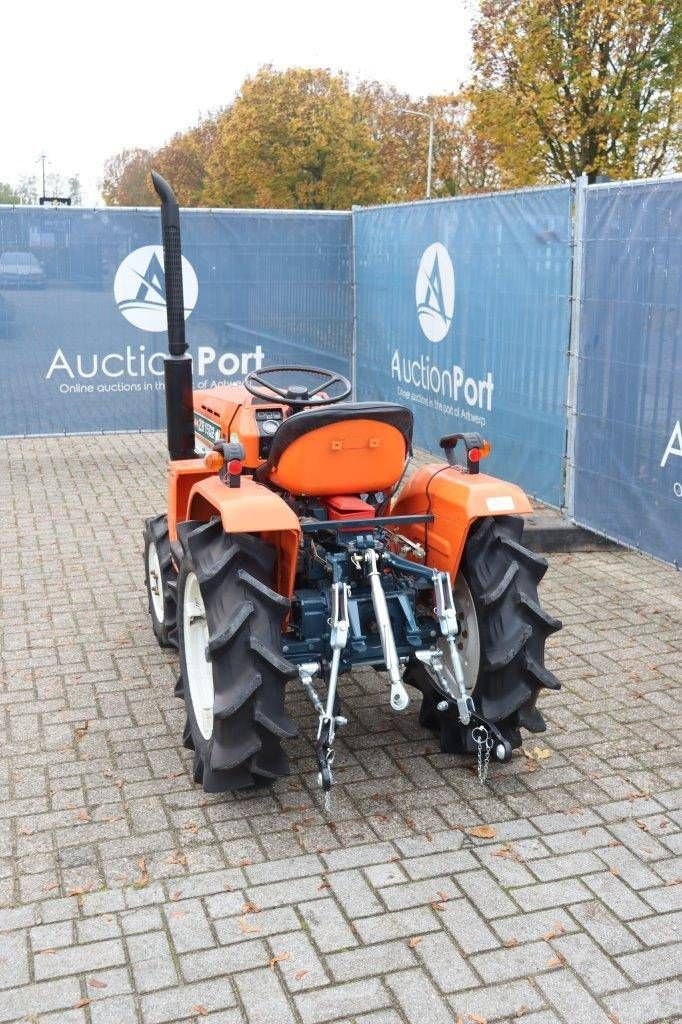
(74, 190)
(294, 139)
(127, 180)
(563, 87)
(8, 194)
(559, 87)
(28, 192)
(304, 138)
(462, 161)
(183, 161)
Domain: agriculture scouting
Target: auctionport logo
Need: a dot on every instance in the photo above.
(140, 288)
(435, 292)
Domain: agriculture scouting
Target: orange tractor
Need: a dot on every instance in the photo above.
(290, 555)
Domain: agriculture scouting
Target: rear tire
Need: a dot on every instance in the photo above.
(161, 580)
(503, 578)
(238, 741)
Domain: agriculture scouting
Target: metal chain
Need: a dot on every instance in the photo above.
(484, 744)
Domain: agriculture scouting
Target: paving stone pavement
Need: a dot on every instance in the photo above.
(127, 895)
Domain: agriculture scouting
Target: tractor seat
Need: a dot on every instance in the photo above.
(350, 448)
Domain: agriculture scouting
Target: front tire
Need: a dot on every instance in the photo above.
(232, 671)
(161, 580)
(502, 578)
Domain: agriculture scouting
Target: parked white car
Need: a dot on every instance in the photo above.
(21, 269)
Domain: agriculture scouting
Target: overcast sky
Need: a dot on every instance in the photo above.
(83, 80)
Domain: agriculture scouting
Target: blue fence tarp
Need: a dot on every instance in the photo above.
(628, 445)
(461, 310)
(463, 313)
(82, 313)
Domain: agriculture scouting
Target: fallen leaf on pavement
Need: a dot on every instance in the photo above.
(80, 1004)
(414, 941)
(143, 878)
(96, 983)
(537, 753)
(251, 908)
(278, 959)
(199, 1010)
(508, 853)
(511, 942)
(177, 857)
(555, 931)
(556, 961)
(245, 927)
(482, 832)
(81, 891)
(301, 974)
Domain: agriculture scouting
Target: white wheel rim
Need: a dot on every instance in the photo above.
(199, 668)
(155, 581)
(468, 639)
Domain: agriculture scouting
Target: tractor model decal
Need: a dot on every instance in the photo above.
(207, 429)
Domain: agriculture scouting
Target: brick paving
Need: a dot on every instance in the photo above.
(127, 895)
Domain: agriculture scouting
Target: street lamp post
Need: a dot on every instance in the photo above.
(429, 159)
(41, 159)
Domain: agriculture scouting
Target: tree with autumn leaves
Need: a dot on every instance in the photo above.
(559, 87)
(566, 87)
(303, 138)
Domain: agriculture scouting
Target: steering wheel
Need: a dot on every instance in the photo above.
(297, 395)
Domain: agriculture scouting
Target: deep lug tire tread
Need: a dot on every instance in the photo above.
(244, 619)
(503, 577)
(156, 532)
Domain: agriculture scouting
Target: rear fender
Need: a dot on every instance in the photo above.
(456, 499)
(251, 508)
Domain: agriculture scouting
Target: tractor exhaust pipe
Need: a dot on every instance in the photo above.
(177, 367)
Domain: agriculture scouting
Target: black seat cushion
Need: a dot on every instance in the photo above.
(301, 423)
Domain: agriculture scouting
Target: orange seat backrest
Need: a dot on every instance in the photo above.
(348, 457)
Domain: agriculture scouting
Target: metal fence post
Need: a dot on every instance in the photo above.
(578, 245)
(354, 305)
